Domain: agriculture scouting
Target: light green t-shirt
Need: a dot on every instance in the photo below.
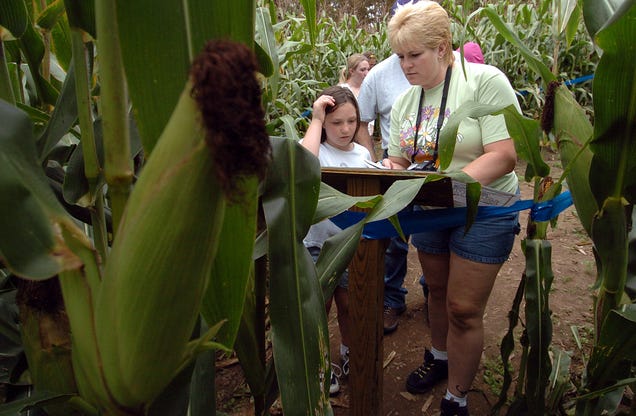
(484, 84)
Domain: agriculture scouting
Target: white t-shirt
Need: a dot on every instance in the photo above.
(379, 90)
(330, 156)
(484, 84)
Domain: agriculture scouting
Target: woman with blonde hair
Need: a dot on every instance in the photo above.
(352, 75)
(460, 267)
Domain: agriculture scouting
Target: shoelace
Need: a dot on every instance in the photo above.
(336, 370)
(424, 369)
(345, 364)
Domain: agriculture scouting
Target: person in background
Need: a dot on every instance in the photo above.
(354, 73)
(371, 58)
(378, 92)
(460, 267)
(334, 124)
(472, 52)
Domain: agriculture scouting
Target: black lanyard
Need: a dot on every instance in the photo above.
(440, 118)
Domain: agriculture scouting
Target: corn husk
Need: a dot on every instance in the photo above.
(159, 264)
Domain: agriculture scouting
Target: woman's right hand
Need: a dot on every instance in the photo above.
(392, 164)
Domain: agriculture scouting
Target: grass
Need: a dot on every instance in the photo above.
(493, 374)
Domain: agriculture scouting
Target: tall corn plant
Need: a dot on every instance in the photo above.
(591, 156)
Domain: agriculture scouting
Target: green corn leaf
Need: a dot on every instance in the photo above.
(266, 39)
(36, 401)
(533, 61)
(615, 345)
(232, 265)
(290, 127)
(14, 16)
(573, 132)
(170, 35)
(448, 135)
(32, 47)
(202, 391)
(559, 379)
(615, 110)
(598, 12)
(30, 206)
(539, 328)
(297, 310)
(609, 365)
(250, 339)
(61, 42)
(264, 61)
(48, 18)
(335, 256)
(508, 344)
(609, 232)
(76, 186)
(63, 118)
(310, 18)
(81, 15)
(154, 89)
(397, 197)
(332, 202)
(573, 23)
(526, 134)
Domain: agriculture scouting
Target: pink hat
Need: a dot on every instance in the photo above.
(472, 53)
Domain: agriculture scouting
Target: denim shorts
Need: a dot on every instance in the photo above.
(344, 277)
(488, 240)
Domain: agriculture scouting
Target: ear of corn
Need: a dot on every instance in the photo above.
(159, 263)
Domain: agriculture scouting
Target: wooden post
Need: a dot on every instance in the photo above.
(366, 305)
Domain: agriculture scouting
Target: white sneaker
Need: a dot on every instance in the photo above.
(334, 386)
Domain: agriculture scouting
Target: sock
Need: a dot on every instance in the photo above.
(461, 401)
(344, 350)
(439, 355)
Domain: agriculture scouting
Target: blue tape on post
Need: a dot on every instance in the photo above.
(439, 219)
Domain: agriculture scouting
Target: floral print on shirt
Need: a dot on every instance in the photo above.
(425, 139)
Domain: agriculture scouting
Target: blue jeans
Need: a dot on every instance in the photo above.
(395, 272)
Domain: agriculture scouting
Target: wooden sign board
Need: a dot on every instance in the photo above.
(437, 193)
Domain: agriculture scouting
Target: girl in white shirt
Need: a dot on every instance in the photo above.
(334, 124)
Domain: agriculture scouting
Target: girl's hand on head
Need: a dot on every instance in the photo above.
(320, 106)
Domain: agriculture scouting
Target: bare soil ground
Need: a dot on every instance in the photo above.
(570, 301)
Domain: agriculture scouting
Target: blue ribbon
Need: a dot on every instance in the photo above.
(439, 219)
(567, 82)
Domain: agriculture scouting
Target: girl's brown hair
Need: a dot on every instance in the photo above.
(341, 95)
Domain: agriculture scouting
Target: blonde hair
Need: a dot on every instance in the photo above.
(422, 24)
(352, 63)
